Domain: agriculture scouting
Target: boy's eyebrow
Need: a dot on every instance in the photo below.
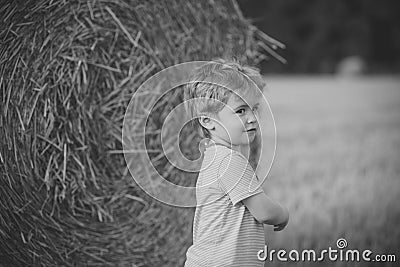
(240, 106)
(244, 106)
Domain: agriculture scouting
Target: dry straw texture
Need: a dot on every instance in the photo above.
(68, 70)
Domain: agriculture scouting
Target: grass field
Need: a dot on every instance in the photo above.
(337, 167)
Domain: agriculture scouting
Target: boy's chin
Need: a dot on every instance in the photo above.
(251, 139)
(247, 142)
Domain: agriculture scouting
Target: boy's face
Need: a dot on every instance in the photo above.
(236, 124)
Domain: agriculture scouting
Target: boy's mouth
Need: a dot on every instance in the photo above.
(251, 130)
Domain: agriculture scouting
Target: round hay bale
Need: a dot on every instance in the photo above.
(67, 72)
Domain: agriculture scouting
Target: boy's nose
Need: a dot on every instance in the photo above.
(251, 117)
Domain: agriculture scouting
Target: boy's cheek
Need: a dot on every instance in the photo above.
(254, 151)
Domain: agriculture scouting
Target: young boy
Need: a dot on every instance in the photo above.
(231, 205)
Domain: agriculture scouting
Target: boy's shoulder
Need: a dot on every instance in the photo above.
(216, 154)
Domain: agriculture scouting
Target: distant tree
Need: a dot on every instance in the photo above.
(320, 33)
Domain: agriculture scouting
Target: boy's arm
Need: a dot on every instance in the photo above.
(267, 211)
(237, 179)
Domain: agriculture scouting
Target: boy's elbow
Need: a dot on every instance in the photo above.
(264, 216)
(270, 215)
(263, 209)
(266, 219)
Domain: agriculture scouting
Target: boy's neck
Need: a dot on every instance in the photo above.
(243, 149)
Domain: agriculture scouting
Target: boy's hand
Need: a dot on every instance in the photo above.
(282, 225)
(279, 227)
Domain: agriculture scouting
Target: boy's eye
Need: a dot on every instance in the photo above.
(240, 111)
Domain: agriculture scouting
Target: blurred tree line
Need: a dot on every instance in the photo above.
(319, 34)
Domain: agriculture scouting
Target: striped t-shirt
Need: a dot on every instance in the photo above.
(224, 231)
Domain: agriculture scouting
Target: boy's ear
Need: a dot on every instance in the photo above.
(207, 122)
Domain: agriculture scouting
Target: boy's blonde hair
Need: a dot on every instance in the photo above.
(212, 84)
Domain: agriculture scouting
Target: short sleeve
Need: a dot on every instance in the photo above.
(237, 178)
